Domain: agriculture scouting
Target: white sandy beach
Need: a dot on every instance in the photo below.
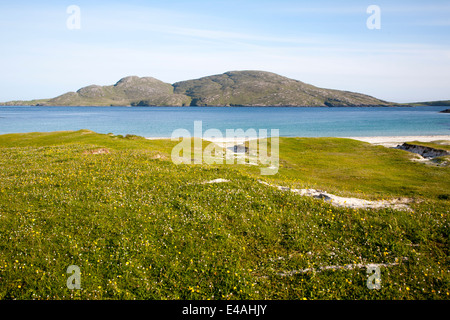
(393, 141)
(387, 141)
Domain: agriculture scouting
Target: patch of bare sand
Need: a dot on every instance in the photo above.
(354, 203)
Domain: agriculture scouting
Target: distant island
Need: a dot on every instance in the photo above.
(442, 103)
(234, 88)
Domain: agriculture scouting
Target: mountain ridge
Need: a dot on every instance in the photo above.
(232, 88)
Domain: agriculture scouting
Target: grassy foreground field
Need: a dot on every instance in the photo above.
(140, 227)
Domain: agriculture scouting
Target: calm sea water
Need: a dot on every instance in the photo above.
(292, 122)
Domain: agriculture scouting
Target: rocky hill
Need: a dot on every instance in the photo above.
(259, 88)
(236, 88)
(127, 91)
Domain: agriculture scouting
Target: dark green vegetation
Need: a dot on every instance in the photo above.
(238, 88)
(140, 227)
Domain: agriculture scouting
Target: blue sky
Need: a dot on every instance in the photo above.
(324, 43)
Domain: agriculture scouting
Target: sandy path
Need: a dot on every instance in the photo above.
(354, 203)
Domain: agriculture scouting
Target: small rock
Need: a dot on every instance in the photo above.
(96, 151)
(217, 181)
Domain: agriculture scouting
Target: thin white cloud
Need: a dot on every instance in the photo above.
(322, 10)
(434, 23)
(414, 8)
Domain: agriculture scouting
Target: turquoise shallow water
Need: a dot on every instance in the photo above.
(162, 121)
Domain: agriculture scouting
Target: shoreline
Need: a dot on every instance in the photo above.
(393, 141)
(387, 141)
